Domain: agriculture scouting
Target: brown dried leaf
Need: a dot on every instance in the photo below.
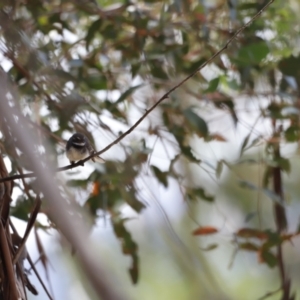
(252, 233)
(205, 230)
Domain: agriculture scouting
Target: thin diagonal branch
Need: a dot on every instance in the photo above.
(30, 225)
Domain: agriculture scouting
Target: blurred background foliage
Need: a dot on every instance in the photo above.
(200, 164)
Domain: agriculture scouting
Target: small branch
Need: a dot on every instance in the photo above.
(7, 264)
(32, 265)
(148, 111)
(30, 225)
(280, 216)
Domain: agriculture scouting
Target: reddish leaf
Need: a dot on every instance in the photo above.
(96, 188)
(288, 237)
(252, 233)
(205, 230)
(218, 137)
(248, 246)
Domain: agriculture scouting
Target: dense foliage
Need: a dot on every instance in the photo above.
(97, 66)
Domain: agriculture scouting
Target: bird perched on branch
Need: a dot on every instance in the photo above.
(79, 147)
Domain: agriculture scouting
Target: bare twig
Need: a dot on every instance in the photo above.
(7, 261)
(280, 218)
(32, 265)
(30, 225)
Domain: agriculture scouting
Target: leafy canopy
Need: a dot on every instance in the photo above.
(95, 67)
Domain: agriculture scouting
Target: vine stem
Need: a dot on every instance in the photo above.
(280, 217)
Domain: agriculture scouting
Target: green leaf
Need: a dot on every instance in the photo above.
(22, 208)
(196, 122)
(274, 239)
(213, 85)
(129, 246)
(157, 69)
(179, 133)
(109, 31)
(248, 6)
(93, 29)
(284, 164)
(228, 104)
(161, 176)
(291, 134)
(269, 258)
(77, 183)
(233, 84)
(194, 194)
(248, 246)
(191, 66)
(267, 176)
(129, 196)
(289, 66)
(135, 67)
(128, 92)
(219, 168)
(298, 227)
(187, 152)
(96, 82)
(253, 53)
(245, 143)
(114, 110)
(106, 199)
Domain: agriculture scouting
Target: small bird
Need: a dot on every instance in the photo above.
(79, 147)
